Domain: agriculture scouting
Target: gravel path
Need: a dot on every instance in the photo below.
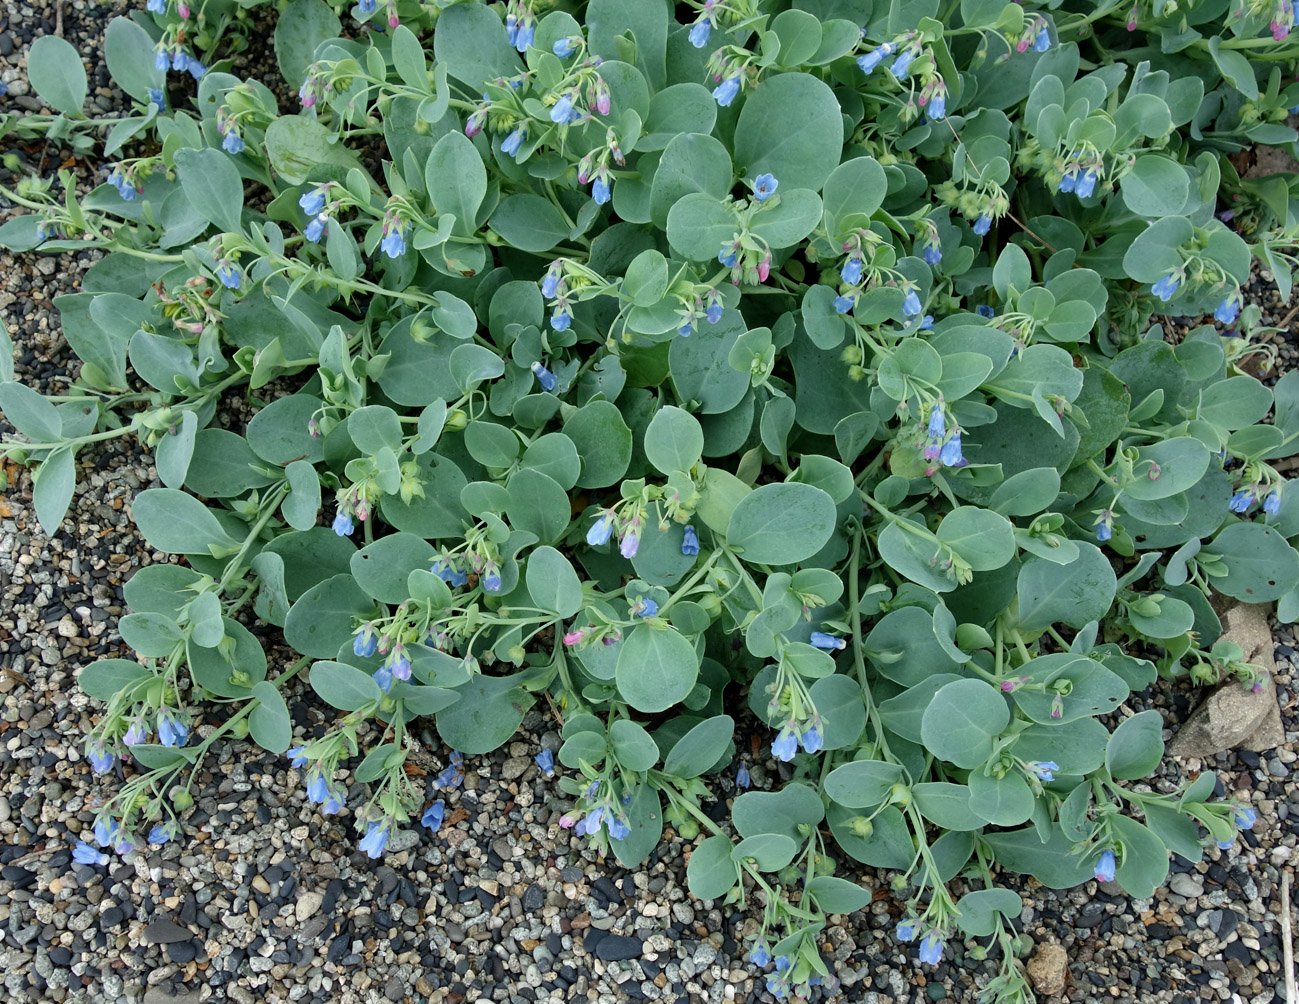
(262, 899)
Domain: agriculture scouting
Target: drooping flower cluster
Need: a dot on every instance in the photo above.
(627, 520)
(598, 813)
(1081, 171)
(520, 24)
(942, 444)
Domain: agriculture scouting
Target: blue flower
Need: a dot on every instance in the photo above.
(365, 642)
(827, 642)
(101, 761)
(872, 59)
(907, 929)
(927, 322)
(312, 202)
(317, 787)
(297, 756)
(179, 59)
(714, 312)
(1242, 500)
(368, 6)
(563, 111)
(564, 47)
(1272, 504)
(618, 830)
(107, 831)
(764, 186)
(561, 318)
(333, 803)
(136, 733)
(232, 143)
(1087, 184)
(950, 455)
(1166, 288)
(514, 140)
(812, 739)
(1228, 310)
(1224, 845)
(1104, 531)
(546, 761)
(725, 92)
(760, 956)
(313, 232)
(1043, 40)
(743, 781)
(171, 730)
(601, 530)
(343, 525)
(600, 188)
(527, 32)
(156, 6)
(931, 949)
(690, 542)
(911, 304)
(843, 304)
(383, 677)
(785, 745)
(645, 607)
(162, 833)
(1044, 769)
(433, 816)
(544, 377)
(1069, 181)
(937, 107)
(902, 64)
(686, 330)
(454, 773)
(699, 32)
(937, 427)
(729, 255)
(375, 840)
(156, 97)
(84, 854)
(394, 241)
(492, 580)
(229, 275)
(196, 69)
(851, 271)
(629, 544)
(160, 60)
(932, 254)
(983, 224)
(1105, 867)
(1245, 818)
(399, 663)
(983, 310)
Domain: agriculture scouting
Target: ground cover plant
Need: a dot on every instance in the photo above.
(653, 362)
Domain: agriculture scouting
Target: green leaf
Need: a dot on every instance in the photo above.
(529, 223)
(836, 895)
(1005, 801)
(983, 538)
(978, 910)
(691, 163)
(103, 679)
(408, 59)
(1156, 187)
(789, 221)
(212, 184)
(712, 872)
(153, 636)
(1136, 746)
(1233, 65)
(269, 722)
(647, 278)
(302, 505)
(206, 625)
(55, 481)
(552, 582)
(699, 224)
(947, 805)
(129, 53)
(29, 412)
(383, 568)
(700, 368)
(657, 668)
(1052, 862)
(55, 70)
(632, 745)
(856, 188)
(791, 127)
(299, 30)
(177, 523)
(344, 687)
(769, 852)
(1074, 593)
(888, 846)
(1261, 565)
(538, 504)
(862, 784)
(488, 713)
(375, 428)
(1143, 865)
(175, 450)
(700, 748)
(644, 817)
(780, 524)
(323, 618)
(298, 143)
(583, 747)
(456, 180)
(960, 722)
(232, 668)
(1175, 464)
(603, 442)
(674, 440)
(795, 805)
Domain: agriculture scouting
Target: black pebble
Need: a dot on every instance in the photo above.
(533, 899)
(182, 951)
(618, 948)
(111, 917)
(60, 956)
(337, 949)
(20, 877)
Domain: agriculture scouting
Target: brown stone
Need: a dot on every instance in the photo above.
(1233, 715)
(1049, 969)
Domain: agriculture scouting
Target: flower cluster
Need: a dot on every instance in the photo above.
(602, 813)
(942, 445)
(1080, 174)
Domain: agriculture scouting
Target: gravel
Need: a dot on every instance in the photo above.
(263, 899)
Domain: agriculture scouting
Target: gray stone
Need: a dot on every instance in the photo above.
(308, 905)
(1186, 884)
(163, 994)
(165, 932)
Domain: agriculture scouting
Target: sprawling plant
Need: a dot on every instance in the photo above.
(659, 360)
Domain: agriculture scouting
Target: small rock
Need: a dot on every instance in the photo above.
(308, 905)
(163, 994)
(1048, 969)
(1186, 884)
(165, 932)
(618, 948)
